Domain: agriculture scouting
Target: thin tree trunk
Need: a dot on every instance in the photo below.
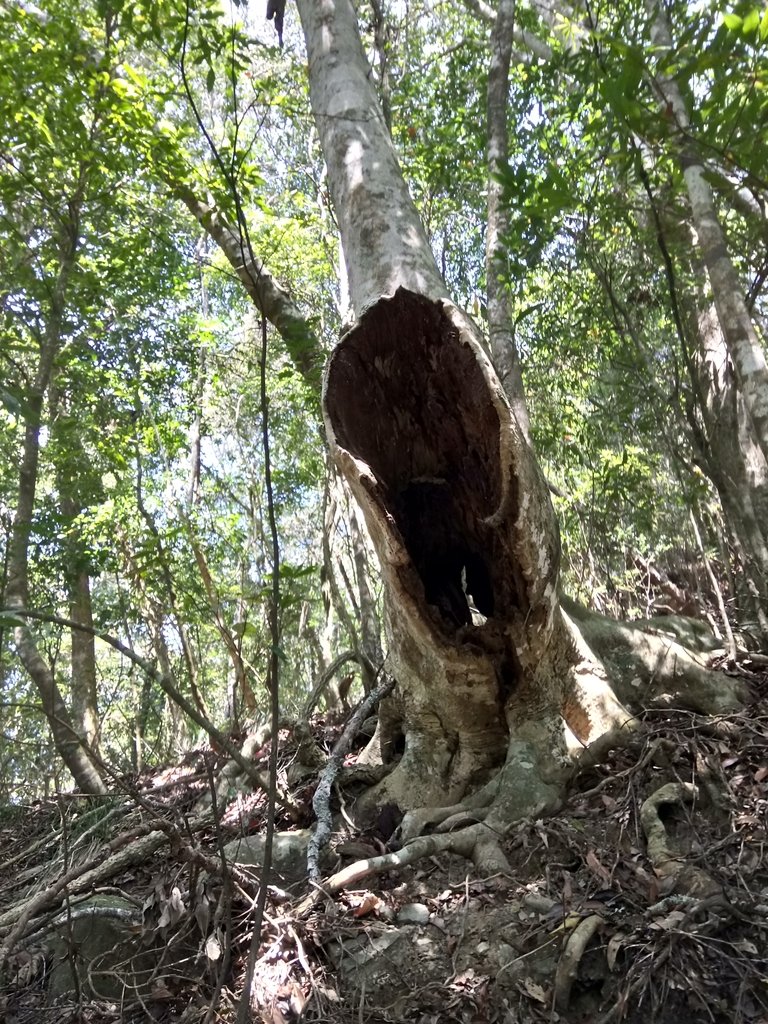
(267, 293)
(65, 735)
(370, 627)
(196, 427)
(734, 463)
(735, 321)
(376, 214)
(64, 732)
(84, 685)
(363, 640)
(500, 329)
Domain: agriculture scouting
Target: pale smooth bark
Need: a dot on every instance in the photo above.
(453, 497)
(736, 324)
(500, 328)
(385, 244)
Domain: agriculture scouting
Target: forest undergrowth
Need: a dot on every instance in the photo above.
(646, 898)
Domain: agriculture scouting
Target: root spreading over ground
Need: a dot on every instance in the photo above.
(644, 898)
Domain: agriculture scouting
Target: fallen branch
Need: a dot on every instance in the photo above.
(322, 797)
(126, 850)
(325, 677)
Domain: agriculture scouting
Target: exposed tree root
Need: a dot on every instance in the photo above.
(570, 958)
(476, 843)
(658, 661)
(473, 808)
(666, 861)
(518, 791)
(473, 828)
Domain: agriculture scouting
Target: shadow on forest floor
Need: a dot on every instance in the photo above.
(586, 929)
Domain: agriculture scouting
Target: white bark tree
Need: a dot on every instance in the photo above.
(738, 330)
(500, 328)
(499, 695)
(731, 395)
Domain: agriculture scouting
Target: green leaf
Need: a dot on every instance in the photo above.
(751, 22)
(11, 619)
(244, 629)
(732, 21)
(11, 404)
(210, 80)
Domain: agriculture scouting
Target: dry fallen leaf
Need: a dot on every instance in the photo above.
(173, 909)
(203, 914)
(160, 991)
(363, 904)
(599, 869)
(614, 945)
(745, 946)
(297, 1000)
(672, 920)
(535, 991)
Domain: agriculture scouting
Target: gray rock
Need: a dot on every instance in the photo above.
(413, 913)
(97, 946)
(289, 854)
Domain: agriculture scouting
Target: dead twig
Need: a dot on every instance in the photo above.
(322, 797)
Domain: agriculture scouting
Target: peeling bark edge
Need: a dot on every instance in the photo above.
(346, 404)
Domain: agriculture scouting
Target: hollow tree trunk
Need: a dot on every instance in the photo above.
(488, 672)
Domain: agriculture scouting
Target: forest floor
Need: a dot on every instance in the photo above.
(586, 928)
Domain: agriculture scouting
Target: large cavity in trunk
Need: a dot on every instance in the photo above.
(407, 396)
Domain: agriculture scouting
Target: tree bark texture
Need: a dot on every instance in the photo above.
(84, 688)
(500, 330)
(65, 735)
(384, 241)
(735, 463)
(735, 320)
(370, 626)
(498, 690)
(461, 519)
